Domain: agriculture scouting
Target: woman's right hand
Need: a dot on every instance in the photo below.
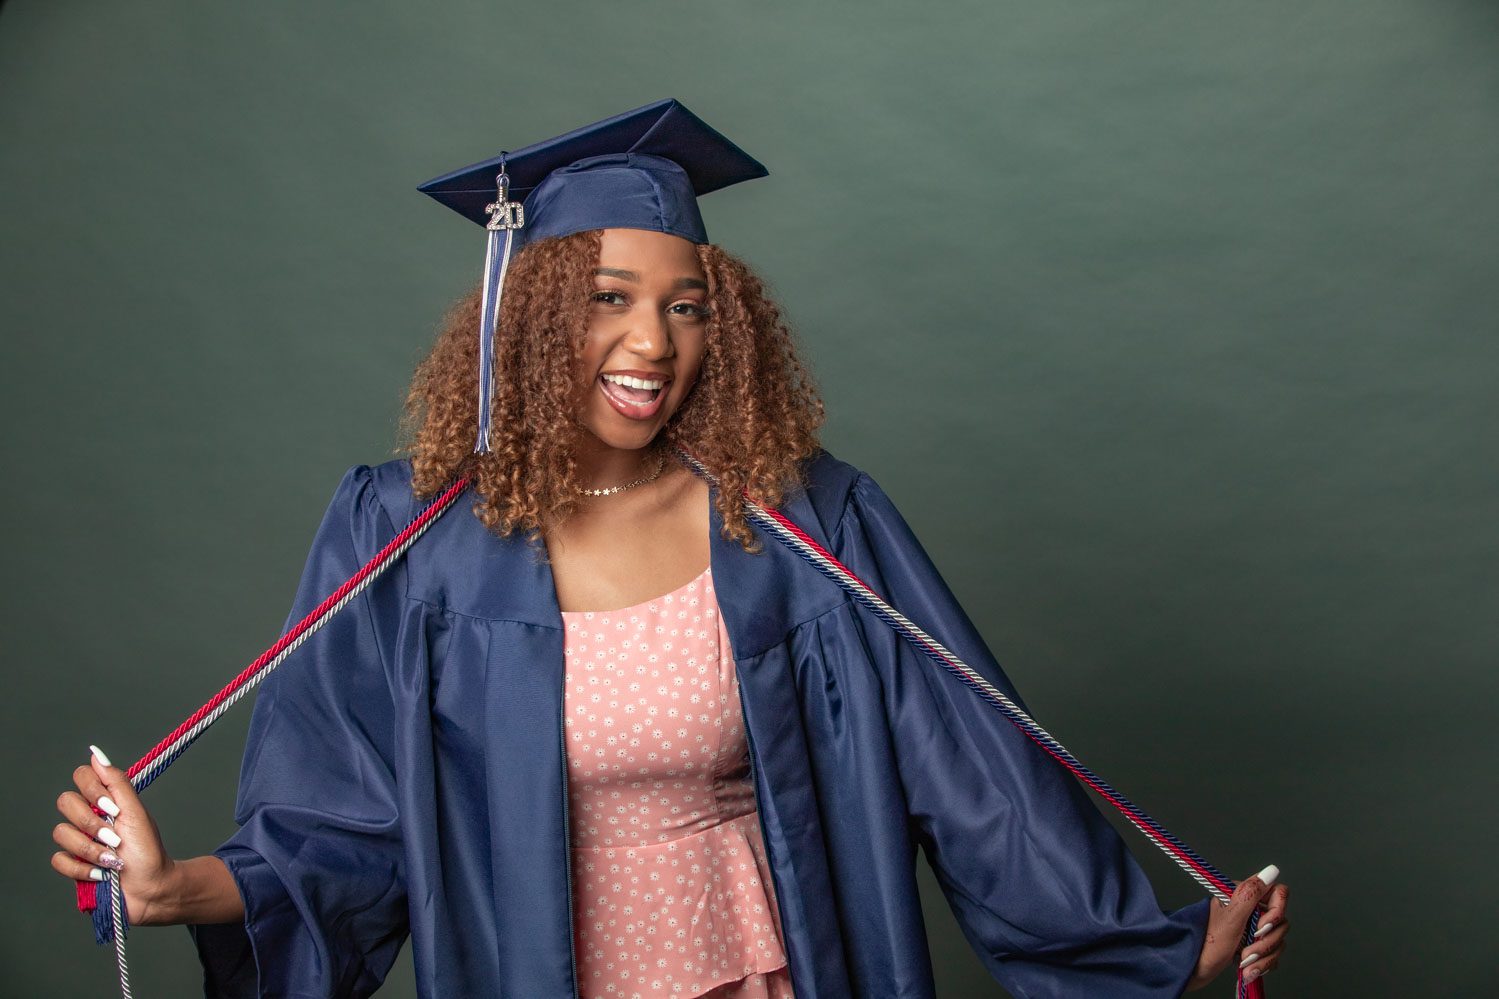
(132, 845)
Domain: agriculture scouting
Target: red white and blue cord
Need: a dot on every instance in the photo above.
(103, 899)
(793, 537)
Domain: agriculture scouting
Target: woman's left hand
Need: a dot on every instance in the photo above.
(1220, 946)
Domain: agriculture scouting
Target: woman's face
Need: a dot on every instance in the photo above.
(646, 323)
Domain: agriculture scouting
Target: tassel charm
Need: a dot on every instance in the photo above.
(505, 216)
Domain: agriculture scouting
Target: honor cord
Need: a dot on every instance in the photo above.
(1217, 884)
(105, 900)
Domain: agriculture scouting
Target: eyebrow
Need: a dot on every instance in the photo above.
(628, 275)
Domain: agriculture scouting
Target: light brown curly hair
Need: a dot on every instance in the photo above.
(752, 416)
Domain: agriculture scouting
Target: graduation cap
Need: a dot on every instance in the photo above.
(643, 169)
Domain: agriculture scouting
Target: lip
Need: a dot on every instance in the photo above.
(631, 410)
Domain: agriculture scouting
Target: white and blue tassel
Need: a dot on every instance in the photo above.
(504, 216)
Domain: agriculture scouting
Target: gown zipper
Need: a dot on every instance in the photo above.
(567, 843)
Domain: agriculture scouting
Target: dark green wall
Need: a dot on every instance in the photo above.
(1170, 326)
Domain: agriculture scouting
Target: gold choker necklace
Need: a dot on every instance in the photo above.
(661, 464)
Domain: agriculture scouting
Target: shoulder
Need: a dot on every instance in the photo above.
(386, 486)
(391, 482)
(848, 500)
(837, 489)
(827, 480)
(375, 494)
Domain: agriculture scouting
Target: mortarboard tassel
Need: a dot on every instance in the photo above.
(504, 216)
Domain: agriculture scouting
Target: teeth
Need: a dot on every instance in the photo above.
(632, 382)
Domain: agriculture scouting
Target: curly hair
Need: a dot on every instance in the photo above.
(752, 416)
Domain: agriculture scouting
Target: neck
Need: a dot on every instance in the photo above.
(601, 466)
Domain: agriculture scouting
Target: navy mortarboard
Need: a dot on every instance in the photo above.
(643, 169)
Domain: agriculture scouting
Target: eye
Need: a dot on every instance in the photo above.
(605, 296)
(692, 309)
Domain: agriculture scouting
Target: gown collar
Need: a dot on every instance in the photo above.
(510, 581)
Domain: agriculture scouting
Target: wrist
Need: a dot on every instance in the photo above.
(197, 890)
(161, 905)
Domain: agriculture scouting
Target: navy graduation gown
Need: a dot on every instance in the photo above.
(404, 774)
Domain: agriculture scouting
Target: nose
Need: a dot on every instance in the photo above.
(650, 335)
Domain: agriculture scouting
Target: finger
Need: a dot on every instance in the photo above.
(70, 866)
(1275, 903)
(72, 839)
(88, 783)
(117, 787)
(1265, 946)
(1269, 928)
(81, 814)
(1262, 967)
(1247, 895)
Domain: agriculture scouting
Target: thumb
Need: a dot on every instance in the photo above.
(1247, 896)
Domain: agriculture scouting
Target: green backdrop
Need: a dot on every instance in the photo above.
(1170, 326)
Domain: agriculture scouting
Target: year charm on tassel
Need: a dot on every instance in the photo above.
(505, 216)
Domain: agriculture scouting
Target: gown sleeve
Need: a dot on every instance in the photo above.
(1043, 887)
(318, 855)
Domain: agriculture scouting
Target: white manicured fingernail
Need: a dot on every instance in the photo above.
(1264, 928)
(96, 874)
(100, 754)
(108, 837)
(1249, 960)
(1269, 874)
(109, 806)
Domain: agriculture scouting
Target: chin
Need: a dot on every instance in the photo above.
(626, 438)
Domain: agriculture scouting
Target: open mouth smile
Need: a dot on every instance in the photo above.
(636, 398)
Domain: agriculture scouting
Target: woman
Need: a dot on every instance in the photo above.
(753, 759)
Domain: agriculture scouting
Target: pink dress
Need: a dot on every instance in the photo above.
(672, 891)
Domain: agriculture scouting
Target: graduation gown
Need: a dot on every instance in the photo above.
(404, 775)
